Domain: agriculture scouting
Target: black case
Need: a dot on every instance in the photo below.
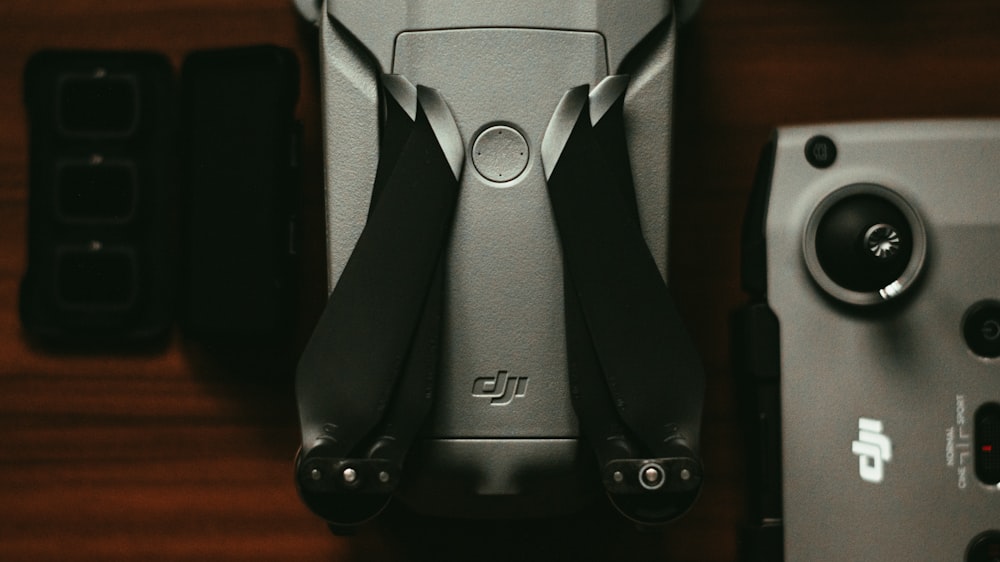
(240, 151)
(99, 196)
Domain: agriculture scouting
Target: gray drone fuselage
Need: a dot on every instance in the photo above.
(502, 411)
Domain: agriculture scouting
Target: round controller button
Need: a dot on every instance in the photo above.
(981, 328)
(821, 152)
(985, 548)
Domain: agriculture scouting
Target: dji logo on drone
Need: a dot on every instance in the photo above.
(501, 388)
(873, 448)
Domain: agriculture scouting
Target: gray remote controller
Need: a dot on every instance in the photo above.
(872, 254)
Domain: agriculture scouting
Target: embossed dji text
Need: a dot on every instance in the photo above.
(501, 389)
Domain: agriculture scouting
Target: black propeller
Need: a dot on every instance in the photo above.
(637, 381)
(365, 378)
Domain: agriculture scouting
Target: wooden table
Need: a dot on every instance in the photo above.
(174, 455)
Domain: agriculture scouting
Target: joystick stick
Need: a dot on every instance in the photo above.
(864, 244)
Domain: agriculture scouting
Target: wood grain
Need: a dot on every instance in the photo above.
(172, 454)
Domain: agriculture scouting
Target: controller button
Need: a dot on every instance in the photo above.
(987, 447)
(821, 152)
(985, 548)
(981, 328)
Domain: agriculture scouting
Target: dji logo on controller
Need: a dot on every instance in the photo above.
(873, 449)
(501, 388)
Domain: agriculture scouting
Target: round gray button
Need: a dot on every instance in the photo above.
(981, 327)
(500, 153)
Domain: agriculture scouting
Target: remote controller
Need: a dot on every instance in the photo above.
(871, 343)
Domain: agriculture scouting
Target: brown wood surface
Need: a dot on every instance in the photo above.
(173, 455)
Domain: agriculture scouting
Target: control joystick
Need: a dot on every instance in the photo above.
(864, 244)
